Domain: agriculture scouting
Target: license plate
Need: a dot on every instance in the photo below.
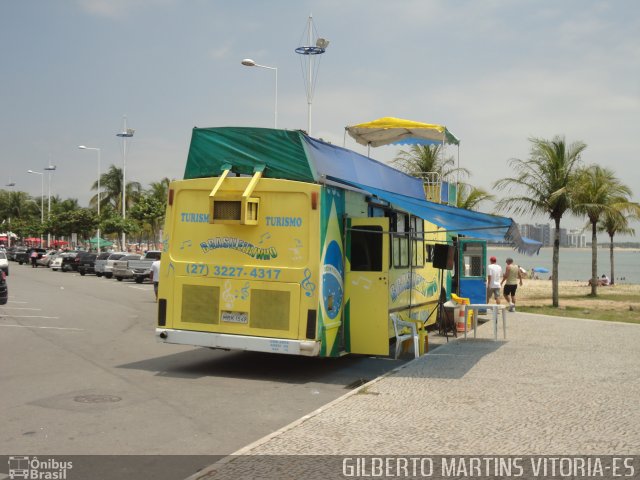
(235, 317)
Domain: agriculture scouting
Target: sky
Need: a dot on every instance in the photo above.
(495, 72)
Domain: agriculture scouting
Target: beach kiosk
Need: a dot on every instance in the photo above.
(278, 242)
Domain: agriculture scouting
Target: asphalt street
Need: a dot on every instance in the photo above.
(82, 374)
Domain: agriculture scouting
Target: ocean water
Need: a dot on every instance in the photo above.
(575, 263)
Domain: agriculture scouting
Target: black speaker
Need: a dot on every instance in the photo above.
(443, 256)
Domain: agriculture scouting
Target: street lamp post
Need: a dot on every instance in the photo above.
(126, 133)
(50, 169)
(82, 147)
(247, 62)
(10, 184)
(41, 199)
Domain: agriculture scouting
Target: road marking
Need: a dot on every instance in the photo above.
(27, 316)
(14, 301)
(49, 328)
(19, 308)
(139, 288)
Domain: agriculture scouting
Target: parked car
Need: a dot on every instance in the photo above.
(4, 263)
(101, 261)
(108, 268)
(142, 268)
(45, 260)
(25, 257)
(4, 290)
(56, 262)
(69, 261)
(86, 262)
(63, 261)
(121, 268)
(13, 252)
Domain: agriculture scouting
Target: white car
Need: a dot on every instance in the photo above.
(56, 262)
(4, 263)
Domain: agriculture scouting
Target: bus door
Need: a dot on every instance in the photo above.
(367, 286)
(472, 274)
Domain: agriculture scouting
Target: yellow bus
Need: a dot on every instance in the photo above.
(278, 242)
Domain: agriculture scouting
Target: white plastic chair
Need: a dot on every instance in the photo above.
(398, 327)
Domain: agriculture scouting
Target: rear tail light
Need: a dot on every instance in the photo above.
(4, 275)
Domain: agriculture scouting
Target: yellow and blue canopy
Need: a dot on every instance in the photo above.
(397, 131)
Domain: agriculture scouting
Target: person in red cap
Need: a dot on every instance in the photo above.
(494, 276)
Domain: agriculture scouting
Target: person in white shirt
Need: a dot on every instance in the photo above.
(155, 276)
(494, 276)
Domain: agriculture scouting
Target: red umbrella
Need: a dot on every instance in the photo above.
(32, 240)
(59, 242)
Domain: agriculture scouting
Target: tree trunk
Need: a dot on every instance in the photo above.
(556, 262)
(594, 259)
(613, 278)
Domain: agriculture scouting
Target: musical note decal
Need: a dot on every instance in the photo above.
(366, 283)
(263, 237)
(295, 251)
(307, 285)
(244, 291)
(227, 297)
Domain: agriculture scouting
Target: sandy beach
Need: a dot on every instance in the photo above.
(573, 294)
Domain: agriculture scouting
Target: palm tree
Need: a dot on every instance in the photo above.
(613, 222)
(598, 191)
(111, 186)
(160, 190)
(546, 179)
(19, 204)
(421, 159)
(470, 197)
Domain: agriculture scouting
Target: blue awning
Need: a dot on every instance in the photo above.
(465, 222)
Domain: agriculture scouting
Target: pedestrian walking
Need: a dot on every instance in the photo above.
(34, 258)
(494, 277)
(511, 279)
(155, 276)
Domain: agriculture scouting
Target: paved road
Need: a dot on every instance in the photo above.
(82, 374)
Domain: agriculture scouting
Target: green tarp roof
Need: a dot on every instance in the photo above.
(282, 152)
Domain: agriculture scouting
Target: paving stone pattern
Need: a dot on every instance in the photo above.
(555, 386)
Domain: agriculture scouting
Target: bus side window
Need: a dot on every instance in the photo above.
(366, 249)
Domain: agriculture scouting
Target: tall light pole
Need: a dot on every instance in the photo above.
(10, 184)
(50, 169)
(247, 62)
(315, 46)
(82, 147)
(126, 133)
(41, 200)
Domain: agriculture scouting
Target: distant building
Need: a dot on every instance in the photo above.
(576, 239)
(540, 232)
(544, 234)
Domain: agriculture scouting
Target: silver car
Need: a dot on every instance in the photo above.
(108, 267)
(121, 268)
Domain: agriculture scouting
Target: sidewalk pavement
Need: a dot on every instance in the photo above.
(555, 386)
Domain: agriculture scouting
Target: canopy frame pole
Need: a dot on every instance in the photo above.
(458, 176)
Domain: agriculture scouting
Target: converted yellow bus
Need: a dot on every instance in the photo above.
(299, 264)
(279, 242)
